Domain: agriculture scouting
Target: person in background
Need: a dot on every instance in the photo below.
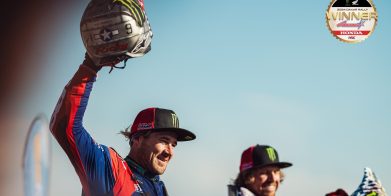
(260, 172)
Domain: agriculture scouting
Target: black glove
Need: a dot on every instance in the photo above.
(89, 63)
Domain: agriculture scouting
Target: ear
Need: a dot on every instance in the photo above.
(137, 141)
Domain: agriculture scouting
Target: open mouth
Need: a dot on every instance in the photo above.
(269, 187)
(163, 158)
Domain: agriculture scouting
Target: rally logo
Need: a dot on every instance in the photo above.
(351, 21)
(247, 165)
(143, 126)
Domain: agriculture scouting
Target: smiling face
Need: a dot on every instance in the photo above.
(153, 152)
(264, 181)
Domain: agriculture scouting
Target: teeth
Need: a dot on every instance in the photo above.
(163, 160)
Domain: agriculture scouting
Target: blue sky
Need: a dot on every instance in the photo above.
(238, 74)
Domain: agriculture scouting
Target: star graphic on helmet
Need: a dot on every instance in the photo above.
(105, 35)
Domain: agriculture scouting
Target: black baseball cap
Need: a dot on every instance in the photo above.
(261, 156)
(158, 119)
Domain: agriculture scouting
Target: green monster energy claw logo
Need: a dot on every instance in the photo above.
(373, 193)
(271, 153)
(134, 8)
(175, 121)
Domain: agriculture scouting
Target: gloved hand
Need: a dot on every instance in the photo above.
(89, 63)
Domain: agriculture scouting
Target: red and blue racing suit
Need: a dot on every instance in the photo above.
(101, 169)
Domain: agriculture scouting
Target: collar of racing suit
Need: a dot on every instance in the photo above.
(140, 170)
(238, 191)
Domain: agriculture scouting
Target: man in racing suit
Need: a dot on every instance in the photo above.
(102, 171)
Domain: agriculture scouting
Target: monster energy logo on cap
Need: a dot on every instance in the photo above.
(261, 156)
(175, 121)
(271, 153)
(159, 119)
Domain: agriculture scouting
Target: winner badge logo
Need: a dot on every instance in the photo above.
(351, 21)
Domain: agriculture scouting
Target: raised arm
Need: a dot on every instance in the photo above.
(91, 160)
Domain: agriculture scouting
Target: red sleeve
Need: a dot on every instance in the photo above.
(91, 160)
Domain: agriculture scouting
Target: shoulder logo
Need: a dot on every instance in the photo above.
(137, 188)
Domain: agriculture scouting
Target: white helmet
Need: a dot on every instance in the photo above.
(115, 30)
